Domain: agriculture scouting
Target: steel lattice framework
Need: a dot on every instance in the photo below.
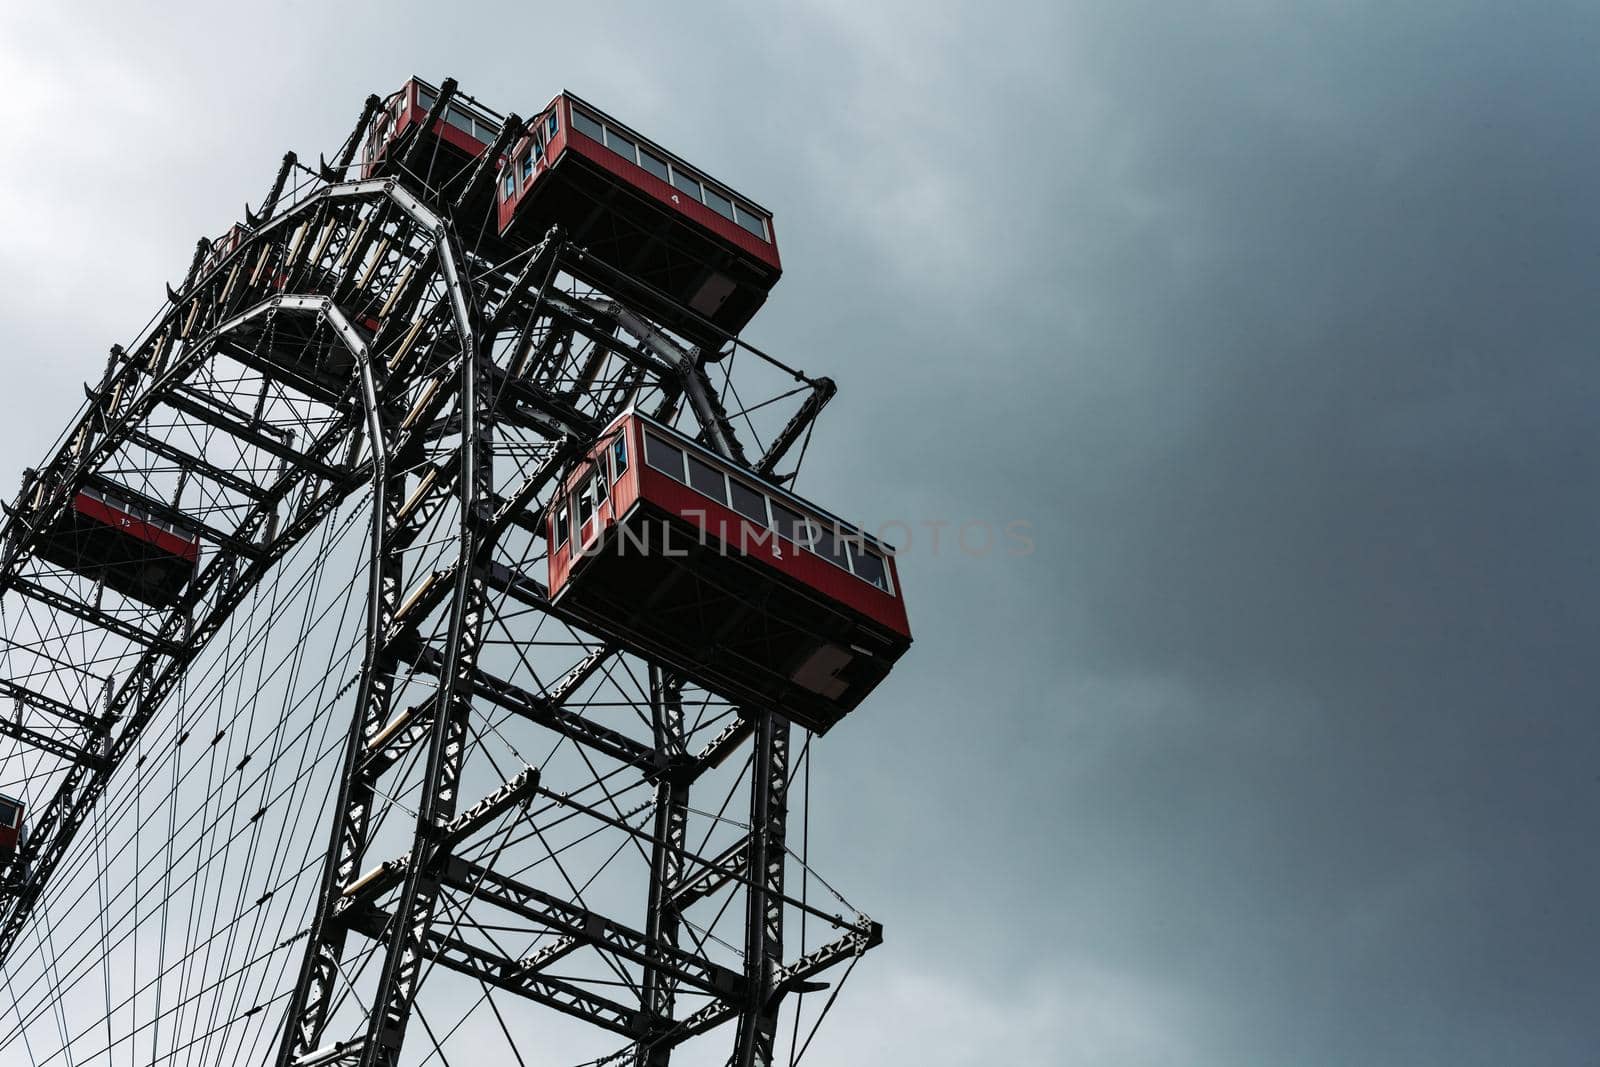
(364, 417)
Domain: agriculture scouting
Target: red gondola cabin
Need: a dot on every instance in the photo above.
(224, 246)
(11, 812)
(680, 246)
(745, 589)
(701, 250)
(459, 136)
(106, 538)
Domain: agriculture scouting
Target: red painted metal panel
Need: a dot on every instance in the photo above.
(163, 540)
(401, 122)
(506, 207)
(463, 141)
(597, 154)
(738, 534)
(11, 829)
(413, 113)
(619, 498)
(636, 176)
(720, 524)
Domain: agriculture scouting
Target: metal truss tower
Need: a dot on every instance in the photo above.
(364, 794)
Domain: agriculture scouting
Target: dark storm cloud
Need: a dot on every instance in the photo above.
(1293, 709)
(1366, 560)
(1277, 325)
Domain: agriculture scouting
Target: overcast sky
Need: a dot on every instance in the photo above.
(1277, 324)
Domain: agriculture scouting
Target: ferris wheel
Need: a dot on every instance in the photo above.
(414, 648)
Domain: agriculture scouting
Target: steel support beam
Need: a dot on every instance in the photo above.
(307, 1011)
(763, 946)
(408, 939)
(520, 977)
(658, 997)
(483, 885)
